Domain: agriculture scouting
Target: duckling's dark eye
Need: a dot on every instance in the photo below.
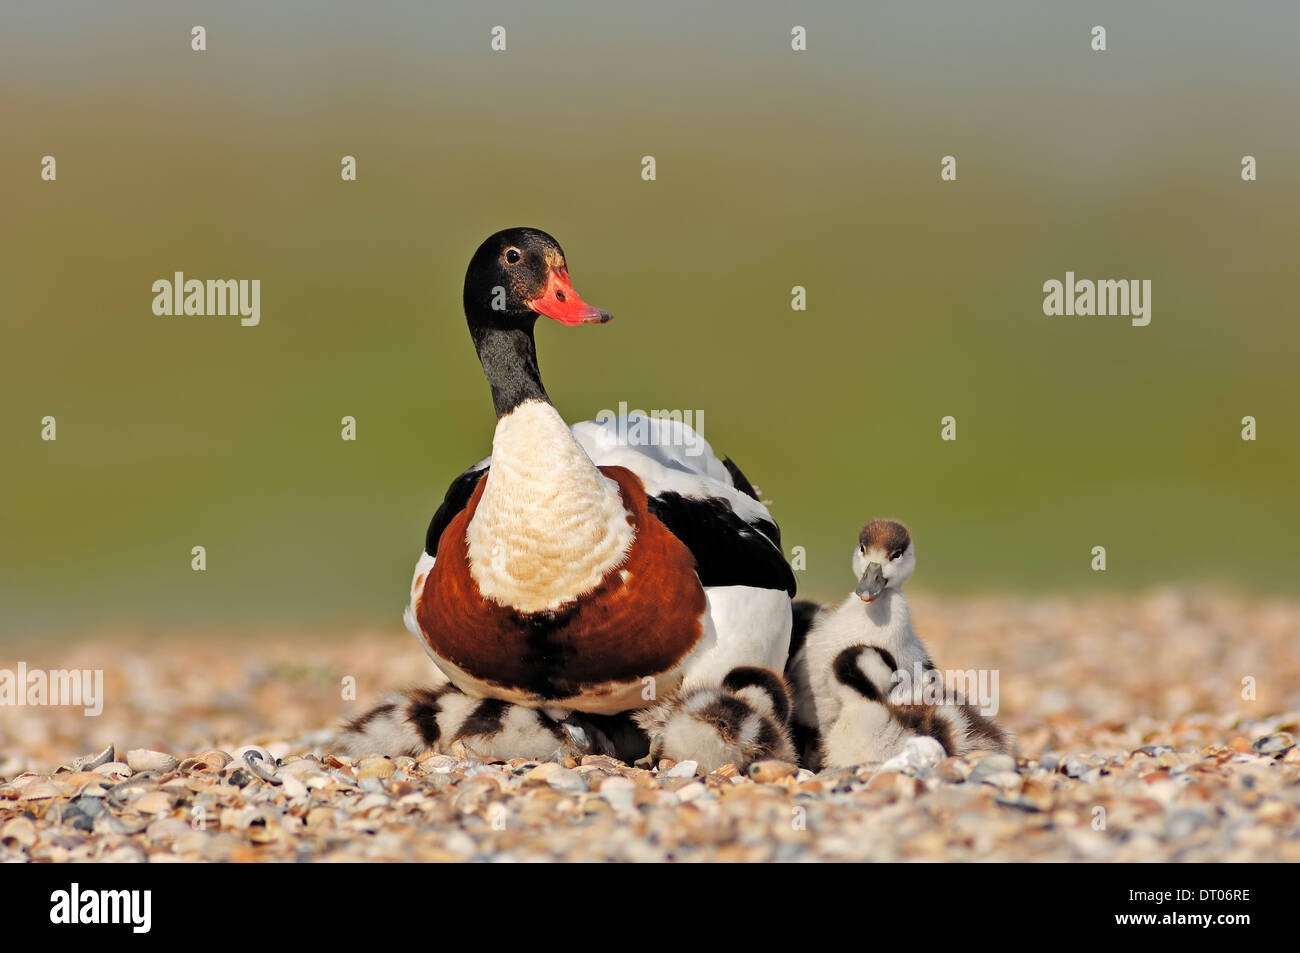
(896, 554)
(513, 255)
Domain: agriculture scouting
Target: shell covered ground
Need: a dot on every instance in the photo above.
(1152, 727)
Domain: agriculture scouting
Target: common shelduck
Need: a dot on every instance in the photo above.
(859, 676)
(579, 570)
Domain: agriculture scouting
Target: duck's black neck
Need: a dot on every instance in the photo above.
(509, 358)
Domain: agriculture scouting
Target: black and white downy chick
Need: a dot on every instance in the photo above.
(743, 720)
(857, 698)
(421, 720)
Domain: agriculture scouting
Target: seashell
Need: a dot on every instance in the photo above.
(166, 829)
(241, 753)
(217, 758)
(154, 802)
(20, 832)
(260, 764)
(375, 768)
(147, 759)
(89, 762)
(691, 791)
(39, 791)
(294, 789)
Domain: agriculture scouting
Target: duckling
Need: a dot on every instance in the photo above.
(419, 720)
(744, 719)
(849, 706)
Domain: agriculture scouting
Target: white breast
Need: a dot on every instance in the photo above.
(549, 525)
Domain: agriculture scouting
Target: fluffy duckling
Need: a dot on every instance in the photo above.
(420, 720)
(856, 659)
(743, 720)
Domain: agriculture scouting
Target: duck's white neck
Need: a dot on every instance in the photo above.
(549, 525)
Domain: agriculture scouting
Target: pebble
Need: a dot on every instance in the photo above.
(372, 801)
(1183, 824)
(1183, 772)
(87, 805)
(1076, 767)
(896, 783)
(1275, 744)
(1018, 801)
(567, 779)
(127, 854)
(1154, 751)
(919, 757)
(619, 792)
(998, 770)
(953, 770)
(762, 772)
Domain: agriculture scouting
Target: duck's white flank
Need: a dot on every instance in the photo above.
(748, 626)
(549, 525)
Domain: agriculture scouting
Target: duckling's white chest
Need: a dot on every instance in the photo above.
(885, 623)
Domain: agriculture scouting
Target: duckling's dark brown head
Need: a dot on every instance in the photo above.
(885, 558)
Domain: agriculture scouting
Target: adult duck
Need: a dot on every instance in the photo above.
(571, 569)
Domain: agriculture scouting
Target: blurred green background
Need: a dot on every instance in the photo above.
(775, 168)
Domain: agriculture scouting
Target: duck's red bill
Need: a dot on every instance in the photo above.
(561, 302)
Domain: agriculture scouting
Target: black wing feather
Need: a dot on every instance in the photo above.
(805, 614)
(457, 498)
(728, 550)
(741, 482)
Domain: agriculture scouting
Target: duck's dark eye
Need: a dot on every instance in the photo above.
(896, 554)
(513, 255)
